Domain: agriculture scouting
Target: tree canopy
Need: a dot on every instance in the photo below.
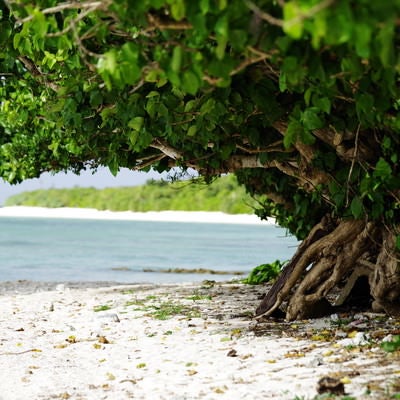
(299, 98)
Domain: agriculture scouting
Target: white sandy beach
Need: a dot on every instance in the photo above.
(180, 342)
(168, 216)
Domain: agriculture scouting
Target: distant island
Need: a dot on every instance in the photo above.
(224, 195)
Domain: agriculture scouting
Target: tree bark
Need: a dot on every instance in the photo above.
(330, 255)
(385, 280)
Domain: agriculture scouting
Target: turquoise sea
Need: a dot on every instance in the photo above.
(51, 249)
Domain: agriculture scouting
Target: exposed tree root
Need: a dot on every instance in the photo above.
(328, 256)
(339, 255)
(385, 280)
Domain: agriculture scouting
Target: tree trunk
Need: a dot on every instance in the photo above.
(330, 255)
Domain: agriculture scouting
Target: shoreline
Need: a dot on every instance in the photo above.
(159, 216)
(181, 341)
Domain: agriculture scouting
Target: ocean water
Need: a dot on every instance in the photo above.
(50, 249)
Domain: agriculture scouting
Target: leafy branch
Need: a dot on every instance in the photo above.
(300, 18)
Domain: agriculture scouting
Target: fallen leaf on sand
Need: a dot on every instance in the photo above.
(103, 339)
(191, 372)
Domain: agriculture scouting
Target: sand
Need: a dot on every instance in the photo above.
(181, 342)
(169, 216)
(94, 340)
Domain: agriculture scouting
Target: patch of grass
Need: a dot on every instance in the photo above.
(103, 307)
(199, 297)
(164, 309)
(325, 396)
(168, 309)
(135, 302)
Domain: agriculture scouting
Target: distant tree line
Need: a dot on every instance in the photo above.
(224, 194)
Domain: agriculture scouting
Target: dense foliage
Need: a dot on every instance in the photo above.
(223, 195)
(133, 84)
(300, 98)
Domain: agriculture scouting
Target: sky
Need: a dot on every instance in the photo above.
(102, 178)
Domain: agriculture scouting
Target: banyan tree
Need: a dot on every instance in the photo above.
(298, 98)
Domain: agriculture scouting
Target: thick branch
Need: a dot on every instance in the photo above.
(168, 150)
(301, 17)
(360, 151)
(308, 178)
(333, 139)
(70, 6)
(36, 73)
(157, 23)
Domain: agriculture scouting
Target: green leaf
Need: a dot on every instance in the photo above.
(5, 31)
(204, 6)
(323, 103)
(292, 25)
(292, 73)
(192, 130)
(39, 23)
(221, 30)
(107, 66)
(178, 9)
(208, 106)
(311, 120)
(319, 29)
(385, 43)
(292, 133)
(151, 108)
(356, 207)
(221, 27)
(364, 105)
(113, 166)
(382, 169)
(153, 93)
(340, 24)
(190, 82)
(363, 32)
(136, 123)
(176, 60)
(306, 137)
(307, 96)
(190, 105)
(222, 4)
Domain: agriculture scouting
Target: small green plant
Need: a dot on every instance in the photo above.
(326, 396)
(392, 345)
(198, 297)
(264, 273)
